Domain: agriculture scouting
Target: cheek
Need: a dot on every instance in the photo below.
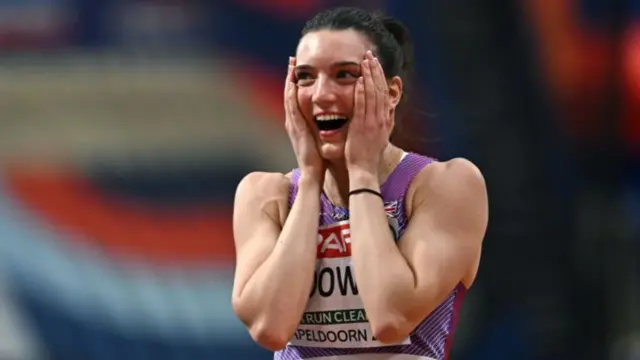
(305, 103)
(349, 96)
(304, 99)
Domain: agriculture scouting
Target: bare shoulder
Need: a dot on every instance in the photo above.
(266, 192)
(457, 180)
(261, 183)
(452, 174)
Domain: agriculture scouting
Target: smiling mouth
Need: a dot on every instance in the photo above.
(330, 123)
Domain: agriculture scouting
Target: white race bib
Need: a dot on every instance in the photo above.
(335, 316)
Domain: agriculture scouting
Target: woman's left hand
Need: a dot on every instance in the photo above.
(372, 124)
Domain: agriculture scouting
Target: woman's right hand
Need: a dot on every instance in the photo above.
(304, 144)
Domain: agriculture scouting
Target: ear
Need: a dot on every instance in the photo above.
(395, 91)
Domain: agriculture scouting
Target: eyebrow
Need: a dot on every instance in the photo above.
(335, 64)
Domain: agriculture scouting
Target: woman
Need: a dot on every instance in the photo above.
(304, 238)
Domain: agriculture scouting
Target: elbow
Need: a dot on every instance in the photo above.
(272, 338)
(391, 331)
(272, 335)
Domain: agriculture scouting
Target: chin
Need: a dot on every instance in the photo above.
(332, 152)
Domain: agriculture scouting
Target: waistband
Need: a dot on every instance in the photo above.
(373, 357)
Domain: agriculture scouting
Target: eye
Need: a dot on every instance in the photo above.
(303, 78)
(302, 75)
(345, 74)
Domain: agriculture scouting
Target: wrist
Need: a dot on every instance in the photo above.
(359, 179)
(310, 183)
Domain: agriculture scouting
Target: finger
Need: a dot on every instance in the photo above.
(288, 84)
(369, 89)
(382, 90)
(380, 82)
(291, 76)
(295, 114)
(378, 75)
(360, 102)
(291, 94)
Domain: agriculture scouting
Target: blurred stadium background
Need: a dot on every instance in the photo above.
(125, 126)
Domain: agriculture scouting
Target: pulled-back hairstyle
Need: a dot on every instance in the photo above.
(393, 43)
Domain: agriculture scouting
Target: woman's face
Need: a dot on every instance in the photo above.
(327, 68)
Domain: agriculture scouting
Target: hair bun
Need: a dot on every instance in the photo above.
(397, 29)
(402, 35)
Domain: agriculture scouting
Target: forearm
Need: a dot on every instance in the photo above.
(382, 273)
(278, 291)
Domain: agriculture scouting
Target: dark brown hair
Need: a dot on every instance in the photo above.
(394, 46)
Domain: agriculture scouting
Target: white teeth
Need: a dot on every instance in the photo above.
(329, 117)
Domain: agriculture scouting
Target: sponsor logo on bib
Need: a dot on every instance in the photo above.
(335, 316)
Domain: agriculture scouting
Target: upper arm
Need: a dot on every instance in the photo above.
(259, 207)
(448, 221)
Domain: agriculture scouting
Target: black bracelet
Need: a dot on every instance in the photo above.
(365, 190)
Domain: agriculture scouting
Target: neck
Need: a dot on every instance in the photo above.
(336, 184)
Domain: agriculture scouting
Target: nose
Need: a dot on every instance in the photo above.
(324, 92)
